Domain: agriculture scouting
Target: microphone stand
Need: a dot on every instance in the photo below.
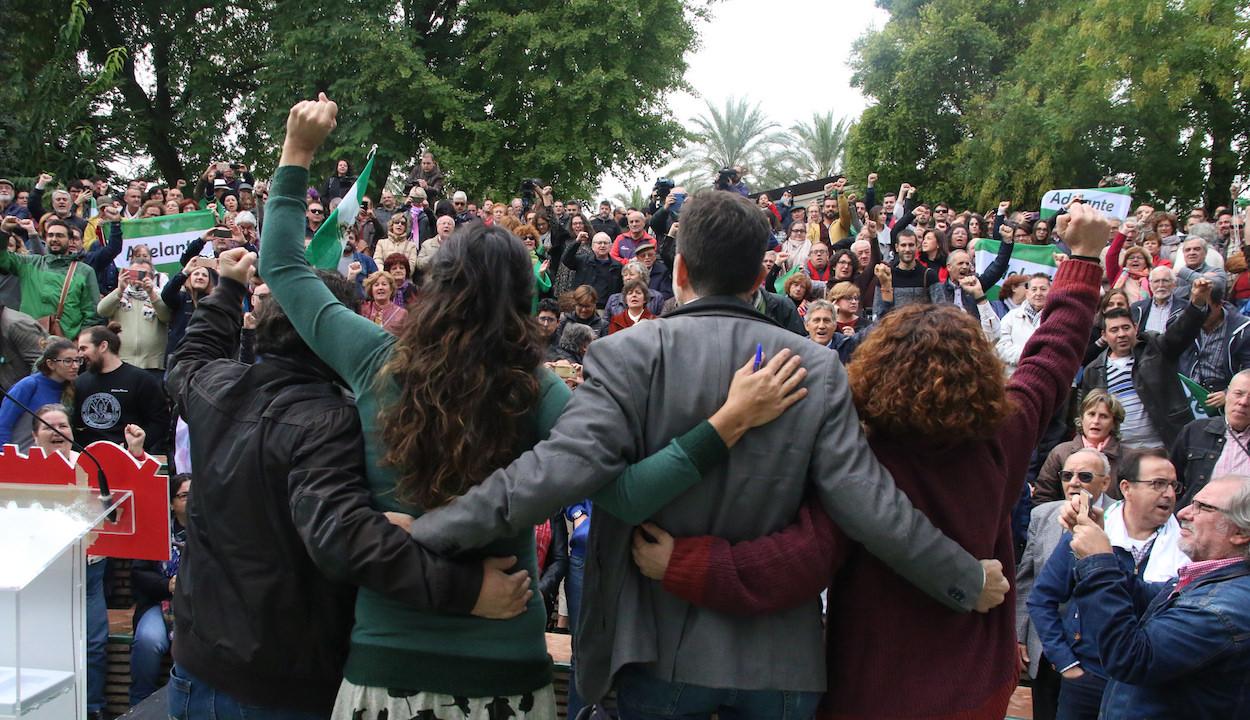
(106, 497)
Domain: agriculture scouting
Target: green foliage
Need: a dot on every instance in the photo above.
(819, 147)
(982, 100)
(498, 89)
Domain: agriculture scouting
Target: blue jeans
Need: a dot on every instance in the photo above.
(1080, 699)
(146, 654)
(640, 696)
(97, 635)
(190, 698)
(573, 596)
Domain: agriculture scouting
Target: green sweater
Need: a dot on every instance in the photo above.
(42, 277)
(393, 645)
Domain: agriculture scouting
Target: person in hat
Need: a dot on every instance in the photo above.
(659, 279)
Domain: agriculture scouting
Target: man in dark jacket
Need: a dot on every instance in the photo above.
(1140, 369)
(601, 272)
(960, 265)
(428, 176)
(1211, 447)
(1220, 351)
(281, 528)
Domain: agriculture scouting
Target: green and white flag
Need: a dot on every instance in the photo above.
(1114, 202)
(167, 237)
(780, 282)
(1025, 260)
(1197, 396)
(326, 249)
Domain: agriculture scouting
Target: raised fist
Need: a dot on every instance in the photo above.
(310, 122)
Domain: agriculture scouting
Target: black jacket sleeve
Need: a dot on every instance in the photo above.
(149, 582)
(1178, 336)
(557, 566)
(909, 216)
(193, 248)
(212, 334)
(870, 197)
(570, 259)
(34, 203)
(171, 294)
(997, 268)
(350, 541)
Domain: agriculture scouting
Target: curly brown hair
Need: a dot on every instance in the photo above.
(928, 373)
(463, 373)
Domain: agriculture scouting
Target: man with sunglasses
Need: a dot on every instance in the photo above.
(1148, 540)
(1176, 649)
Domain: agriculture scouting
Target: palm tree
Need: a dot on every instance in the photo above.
(818, 145)
(635, 198)
(737, 133)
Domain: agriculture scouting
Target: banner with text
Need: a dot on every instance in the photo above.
(167, 237)
(1025, 260)
(1114, 202)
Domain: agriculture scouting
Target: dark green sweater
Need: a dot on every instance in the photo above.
(393, 645)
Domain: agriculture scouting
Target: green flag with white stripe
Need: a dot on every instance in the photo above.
(1025, 260)
(325, 251)
(1113, 202)
(166, 236)
(1197, 397)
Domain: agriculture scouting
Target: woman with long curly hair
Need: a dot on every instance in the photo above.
(460, 392)
(957, 438)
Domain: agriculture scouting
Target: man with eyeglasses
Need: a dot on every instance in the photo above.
(464, 211)
(1147, 536)
(548, 319)
(1178, 648)
(600, 271)
(316, 215)
(46, 278)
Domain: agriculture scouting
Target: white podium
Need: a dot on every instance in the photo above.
(43, 540)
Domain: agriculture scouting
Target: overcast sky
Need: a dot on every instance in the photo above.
(782, 70)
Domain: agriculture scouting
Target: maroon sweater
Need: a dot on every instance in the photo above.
(893, 652)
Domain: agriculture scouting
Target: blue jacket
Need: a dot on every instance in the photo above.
(1059, 623)
(1181, 657)
(34, 391)
(1234, 352)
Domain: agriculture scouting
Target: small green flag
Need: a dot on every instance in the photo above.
(1197, 397)
(780, 282)
(326, 249)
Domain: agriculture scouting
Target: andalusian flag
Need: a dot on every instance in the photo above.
(167, 237)
(326, 249)
(780, 283)
(1110, 201)
(1025, 260)
(1197, 396)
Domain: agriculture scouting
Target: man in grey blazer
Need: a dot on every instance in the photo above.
(1044, 534)
(645, 387)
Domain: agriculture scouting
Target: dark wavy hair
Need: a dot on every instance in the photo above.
(928, 373)
(463, 368)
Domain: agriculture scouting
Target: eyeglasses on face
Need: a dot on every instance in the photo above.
(1159, 485)
(1084, 476)
(316, 211)
(1202, 507)
(67, 362)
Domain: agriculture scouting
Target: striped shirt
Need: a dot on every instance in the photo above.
(1136, 431)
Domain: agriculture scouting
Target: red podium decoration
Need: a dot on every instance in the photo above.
(141, 530)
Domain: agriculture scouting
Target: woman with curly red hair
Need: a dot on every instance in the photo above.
(957, 437)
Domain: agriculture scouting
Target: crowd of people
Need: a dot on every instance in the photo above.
(760, 459)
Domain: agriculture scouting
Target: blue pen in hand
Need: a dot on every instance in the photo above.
(759, 357)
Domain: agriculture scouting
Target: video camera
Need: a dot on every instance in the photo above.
(530, 188)
(725, 178)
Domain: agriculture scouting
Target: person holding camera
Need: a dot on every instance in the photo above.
(143, 316)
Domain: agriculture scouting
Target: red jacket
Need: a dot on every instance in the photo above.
(621, 320)
(892, 651)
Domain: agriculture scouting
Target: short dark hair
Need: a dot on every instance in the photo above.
(1130, 469)
(1116, 312)
(722, 243)
(1041, 276)
(54, 222)
(550, 305)
(175, 482)
(906, 232)
(100, 334)
(275, 335)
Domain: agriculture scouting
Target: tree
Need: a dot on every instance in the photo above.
(818, 146)
(636, 198)
(1055, 94)
(736, 133)
(498, 89)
